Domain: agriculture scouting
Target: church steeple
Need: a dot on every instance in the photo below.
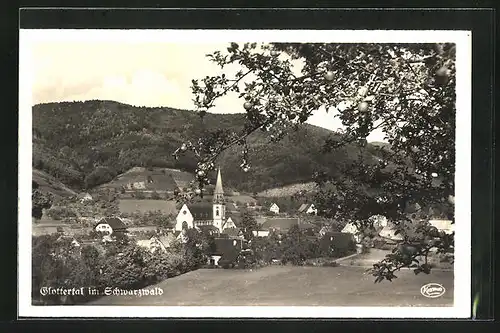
(218, 192)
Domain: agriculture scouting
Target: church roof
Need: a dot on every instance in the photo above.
(201, 212)
(218, 184)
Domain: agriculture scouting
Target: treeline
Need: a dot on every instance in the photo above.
(297, 246)
(84, 144)
(57, 263)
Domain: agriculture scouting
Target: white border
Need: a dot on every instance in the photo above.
(462, 287)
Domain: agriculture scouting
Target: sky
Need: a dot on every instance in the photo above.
(142, 74)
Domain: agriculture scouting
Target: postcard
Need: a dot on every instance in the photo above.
(244, 173)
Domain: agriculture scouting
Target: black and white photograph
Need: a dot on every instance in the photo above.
(224, 173)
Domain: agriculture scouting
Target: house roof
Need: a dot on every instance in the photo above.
(303, 208)
(236, 218)
(114, 222)
(283, 224)
(231, 231)
(201, 212)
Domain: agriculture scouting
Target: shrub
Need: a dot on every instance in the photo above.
(59, 213)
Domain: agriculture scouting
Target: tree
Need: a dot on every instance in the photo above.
(248, 225)
(295, 246)
(99, 176)
(405, 90)
(39, 201)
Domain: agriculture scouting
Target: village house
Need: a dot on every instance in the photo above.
(308, 209)
(202, 215)
(351, 228)
(111, 225)
(158, 242)
(274, 208)
(280, 225)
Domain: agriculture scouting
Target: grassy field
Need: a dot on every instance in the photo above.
(144, 206)
(291, 286)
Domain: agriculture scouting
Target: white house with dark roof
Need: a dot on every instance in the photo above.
(202, 215)
(274, 208)
(111, 225)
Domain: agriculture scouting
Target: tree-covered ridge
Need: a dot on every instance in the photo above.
(85, 144)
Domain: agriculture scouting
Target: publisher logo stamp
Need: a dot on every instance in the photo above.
(432, 290)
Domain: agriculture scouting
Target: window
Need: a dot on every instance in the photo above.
(184, 212)
(217, 212)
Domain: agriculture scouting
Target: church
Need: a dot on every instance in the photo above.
(209, 216)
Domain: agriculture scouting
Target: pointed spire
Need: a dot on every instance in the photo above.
(218, 185)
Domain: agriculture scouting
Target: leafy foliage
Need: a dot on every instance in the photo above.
(39, 201)
(248, 225)
(57, 263)
(405, 90)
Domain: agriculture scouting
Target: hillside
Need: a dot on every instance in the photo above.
(151, 179)
(287, 190)
(86, 144)
(49, 184)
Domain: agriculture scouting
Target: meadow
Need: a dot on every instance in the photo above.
(291, 286)
(130, 206)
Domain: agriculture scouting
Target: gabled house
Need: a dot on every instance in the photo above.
(229, 224)
(274, 208)
(308, 209)
(351, 228)
(111, 225)
(280, 225)
(158, 243)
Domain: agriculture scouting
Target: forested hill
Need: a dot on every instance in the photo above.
(84, 144)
